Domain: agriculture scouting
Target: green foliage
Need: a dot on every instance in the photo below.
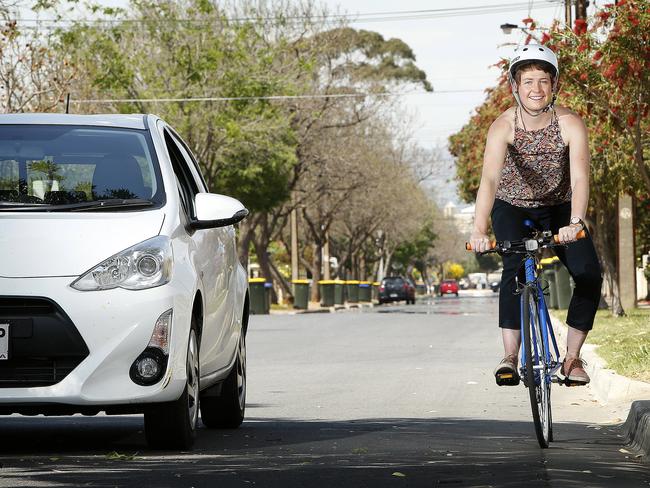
(415, 250)
(383, 60)
(246, 147)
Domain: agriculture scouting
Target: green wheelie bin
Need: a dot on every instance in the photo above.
(327, 292)
(338, 292)
(365, 291)
(300, 294)
(563, 286)
(548, 273)
(258, 296)
(352, 289)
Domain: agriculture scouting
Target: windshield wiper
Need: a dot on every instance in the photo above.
(106, 204)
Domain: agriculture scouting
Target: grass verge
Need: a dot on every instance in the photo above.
(624, 342)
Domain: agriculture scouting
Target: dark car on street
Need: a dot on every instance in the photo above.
(395, 289)
(448, 287)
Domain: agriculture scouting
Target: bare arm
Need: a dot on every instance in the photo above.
(576, 135)
(579, 164)
(493, 159)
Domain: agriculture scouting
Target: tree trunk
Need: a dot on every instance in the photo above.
(604, 235)
(246, 231)
(638, 151)
(265, 266)
(316, 271)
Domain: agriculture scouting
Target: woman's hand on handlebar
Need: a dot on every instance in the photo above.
(480, 242)
(569, 233)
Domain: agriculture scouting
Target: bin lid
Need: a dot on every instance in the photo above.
(376, 283)
(550, 260)
(257, 280)
(268, 285)
(326, 282)
(352, 282)
(301, 282)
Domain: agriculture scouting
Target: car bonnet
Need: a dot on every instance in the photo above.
(69, 244)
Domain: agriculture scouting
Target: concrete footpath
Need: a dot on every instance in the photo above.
(618, 391)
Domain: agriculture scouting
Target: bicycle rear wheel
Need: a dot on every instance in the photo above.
(536, 375)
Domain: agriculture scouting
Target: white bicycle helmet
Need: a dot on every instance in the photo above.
(532, 52)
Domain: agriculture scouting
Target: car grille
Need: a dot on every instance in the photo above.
(45, 346)
(35, 372)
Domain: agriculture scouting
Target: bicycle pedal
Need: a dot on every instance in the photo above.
(507, 379)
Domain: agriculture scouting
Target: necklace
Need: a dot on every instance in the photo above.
(521, 113)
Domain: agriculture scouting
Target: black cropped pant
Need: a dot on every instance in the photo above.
(579, 257)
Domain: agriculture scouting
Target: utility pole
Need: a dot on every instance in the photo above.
(626, 261)
(294, 244)
(581, 9)
(326, 257)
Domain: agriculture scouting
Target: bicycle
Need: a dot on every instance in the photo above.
(539, 363)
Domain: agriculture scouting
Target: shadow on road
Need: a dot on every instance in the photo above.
(445, 452)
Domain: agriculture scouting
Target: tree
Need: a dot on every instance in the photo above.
(35, 73)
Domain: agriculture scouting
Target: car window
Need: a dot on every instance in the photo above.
(191, 162)
(70, 164)
(187, 185)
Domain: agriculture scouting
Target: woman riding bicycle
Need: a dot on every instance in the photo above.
(536, 166)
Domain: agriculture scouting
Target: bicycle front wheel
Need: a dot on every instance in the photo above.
(536, 375)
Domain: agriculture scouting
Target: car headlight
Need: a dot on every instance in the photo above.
(144, 265)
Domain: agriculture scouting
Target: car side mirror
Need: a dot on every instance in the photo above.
(213, 210)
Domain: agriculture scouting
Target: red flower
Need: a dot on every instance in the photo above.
(610, 72)
(598, 55)
(631, 120)
(584, 77)
(527, 20)
(582, 47)
(545, 38)
(604, 15)
(580, 27)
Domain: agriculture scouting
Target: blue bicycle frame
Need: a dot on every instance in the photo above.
(544, 321)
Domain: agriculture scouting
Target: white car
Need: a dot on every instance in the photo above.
(120, 286)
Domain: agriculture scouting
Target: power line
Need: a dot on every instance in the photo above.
(270, 97)
(388, 16)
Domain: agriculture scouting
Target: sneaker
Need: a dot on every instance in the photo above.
(506, 372)
(574, 372)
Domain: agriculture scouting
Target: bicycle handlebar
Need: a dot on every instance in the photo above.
(556, 239)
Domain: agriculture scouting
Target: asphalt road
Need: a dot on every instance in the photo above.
(388, 397)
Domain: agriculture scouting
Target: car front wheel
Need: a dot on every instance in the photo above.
(173, 425)
(227, 410)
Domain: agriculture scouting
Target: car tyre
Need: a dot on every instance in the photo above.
(173, 425)
(227, 410)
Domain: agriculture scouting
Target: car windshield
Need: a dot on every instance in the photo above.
(57, 166)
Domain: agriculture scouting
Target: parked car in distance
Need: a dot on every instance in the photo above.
(120, 286)
(448, 287)
(395, 289)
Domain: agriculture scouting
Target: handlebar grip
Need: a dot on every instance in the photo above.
(468, 246)
(581, 235)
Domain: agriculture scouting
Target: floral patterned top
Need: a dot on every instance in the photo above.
(536, 170)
